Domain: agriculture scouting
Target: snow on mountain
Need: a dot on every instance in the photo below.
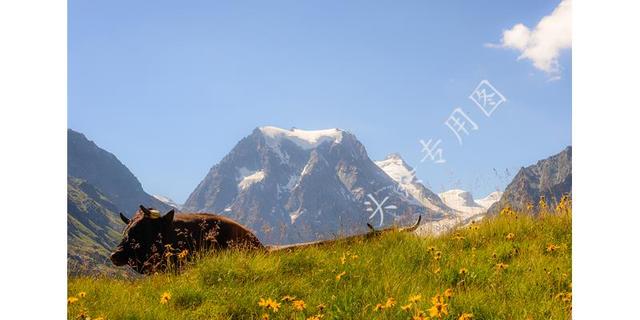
(466, 211)
(305, 139)
(489, 200)
(167, 201)
(247, 177)
(461, 200)
(394, 166)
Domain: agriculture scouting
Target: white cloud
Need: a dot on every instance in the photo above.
(543, 44)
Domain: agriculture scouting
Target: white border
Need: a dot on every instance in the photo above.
(33, 159)
(606, 159)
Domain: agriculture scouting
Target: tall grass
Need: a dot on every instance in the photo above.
(513, 266)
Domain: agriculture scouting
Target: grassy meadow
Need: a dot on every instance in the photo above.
(512, 266)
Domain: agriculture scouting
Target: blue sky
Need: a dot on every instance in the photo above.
(170, 87)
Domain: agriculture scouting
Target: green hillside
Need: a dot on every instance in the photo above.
(92, 228)
(513, 266)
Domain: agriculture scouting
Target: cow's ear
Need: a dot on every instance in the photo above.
(124, 219)
(169, 216)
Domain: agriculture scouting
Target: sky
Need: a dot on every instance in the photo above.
(170, 87)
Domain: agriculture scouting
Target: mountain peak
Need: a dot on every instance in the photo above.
(396, 168)
(306, 139)
(394, 156)
(168, 201)
(402, 173)
(292, 185)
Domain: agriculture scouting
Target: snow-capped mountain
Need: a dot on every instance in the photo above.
(167, 201)
(401, 172)
(466, 210)
(490, 199)
(461, 201)
(302, 185)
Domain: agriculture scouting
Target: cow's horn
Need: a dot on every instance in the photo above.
(371, 227)
(145, 210)
(414, 226)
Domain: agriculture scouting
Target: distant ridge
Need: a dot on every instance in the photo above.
(550, 178)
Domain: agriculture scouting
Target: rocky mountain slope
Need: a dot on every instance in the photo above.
(93, 228)
(297, 185)
(401, 172)
(100, 168)
(99, 186)
(550, 178)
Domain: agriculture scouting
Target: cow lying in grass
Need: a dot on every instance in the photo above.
(152, 242)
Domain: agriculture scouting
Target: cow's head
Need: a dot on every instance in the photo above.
(144, 240)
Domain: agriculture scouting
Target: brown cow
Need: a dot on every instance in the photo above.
(151, 241)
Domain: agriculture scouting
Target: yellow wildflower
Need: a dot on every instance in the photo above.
(83, 315)
(466, 316)
(165, 297)
(378, 307)
(501, 266)
(343, 259)
(315, 317)
(542, 204)
(72, 300)
(436, 271)
(437, 255)
(463, 271)
(406, 307)
(390, 302)
(564, 296)
(265, 316)
(438, 310)
(321, 307)
(82, 294)
(552, 247)
(510, 236)
(298, 305)
(269, 304)
(419, 316)
(183, 254)
(437, 299)
(340, 275)
(448, 293)
(415, 298)
(288, 298)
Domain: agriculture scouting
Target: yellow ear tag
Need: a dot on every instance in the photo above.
(155, 214)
